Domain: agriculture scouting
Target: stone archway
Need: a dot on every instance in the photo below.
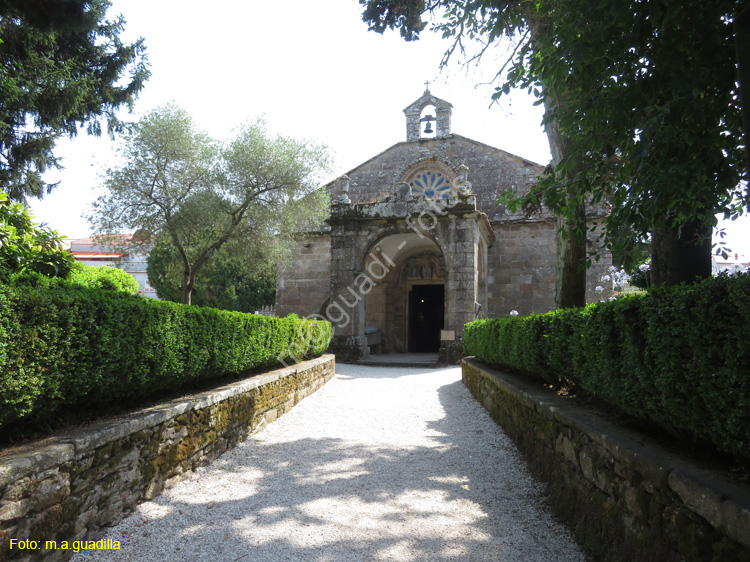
(390, 307)
(371, 244)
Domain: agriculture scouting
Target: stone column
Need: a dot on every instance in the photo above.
(346, 308)
(443, 120)
(412, 124)
(461, 265)
(457, 234)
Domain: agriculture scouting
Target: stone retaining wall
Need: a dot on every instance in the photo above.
(624, 496)
(71, 486)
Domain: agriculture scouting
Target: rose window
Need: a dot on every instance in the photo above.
(433, 185)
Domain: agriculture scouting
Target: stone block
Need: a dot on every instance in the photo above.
(15, 509)
(727, 511)
(18, 467)
(47, 523)
(587, 464)
(565, 447)
(51, 491)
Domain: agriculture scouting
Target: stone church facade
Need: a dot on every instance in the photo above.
(416, 245)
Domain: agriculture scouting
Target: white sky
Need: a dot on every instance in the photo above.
(312, 70)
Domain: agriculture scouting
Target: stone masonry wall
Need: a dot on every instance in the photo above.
(521, 268)
(69, 487)
(625, 496)
(307, 278)
(491, 171)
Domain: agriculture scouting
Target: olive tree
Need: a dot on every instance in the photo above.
(177, 182)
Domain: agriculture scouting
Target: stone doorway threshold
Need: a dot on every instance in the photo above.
(401, 360)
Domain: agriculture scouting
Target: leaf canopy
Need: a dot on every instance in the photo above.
(62, 66)
(644, 93)
(27, 247)
(179, 185)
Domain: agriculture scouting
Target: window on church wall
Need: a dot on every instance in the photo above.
(431, 185)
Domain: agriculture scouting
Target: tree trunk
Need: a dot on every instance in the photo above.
(570, 282)
(680, 258)
(187, 287)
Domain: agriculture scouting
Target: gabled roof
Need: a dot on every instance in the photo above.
(500, 151)
(492, 171)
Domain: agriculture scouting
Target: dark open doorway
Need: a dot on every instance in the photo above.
(426, 306)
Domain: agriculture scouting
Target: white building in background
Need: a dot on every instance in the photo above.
(733, 263)
(91, 251)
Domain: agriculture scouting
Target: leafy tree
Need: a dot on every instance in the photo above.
(656, 122)
(232, 280)
(643, 100)
(62, 65)
(178, 183)
(26, 247)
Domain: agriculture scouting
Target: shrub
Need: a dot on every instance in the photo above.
(80, 276)
(66, 347)
(678, 357)
(26, 247)
(107, 278)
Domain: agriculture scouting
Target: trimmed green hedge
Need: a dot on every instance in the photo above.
(678, 357)
(64, 347)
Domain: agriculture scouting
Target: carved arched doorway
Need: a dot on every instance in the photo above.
(408, 305)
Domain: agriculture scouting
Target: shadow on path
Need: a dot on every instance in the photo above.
(402, 473)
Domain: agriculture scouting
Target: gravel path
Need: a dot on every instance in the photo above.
(380, 464)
